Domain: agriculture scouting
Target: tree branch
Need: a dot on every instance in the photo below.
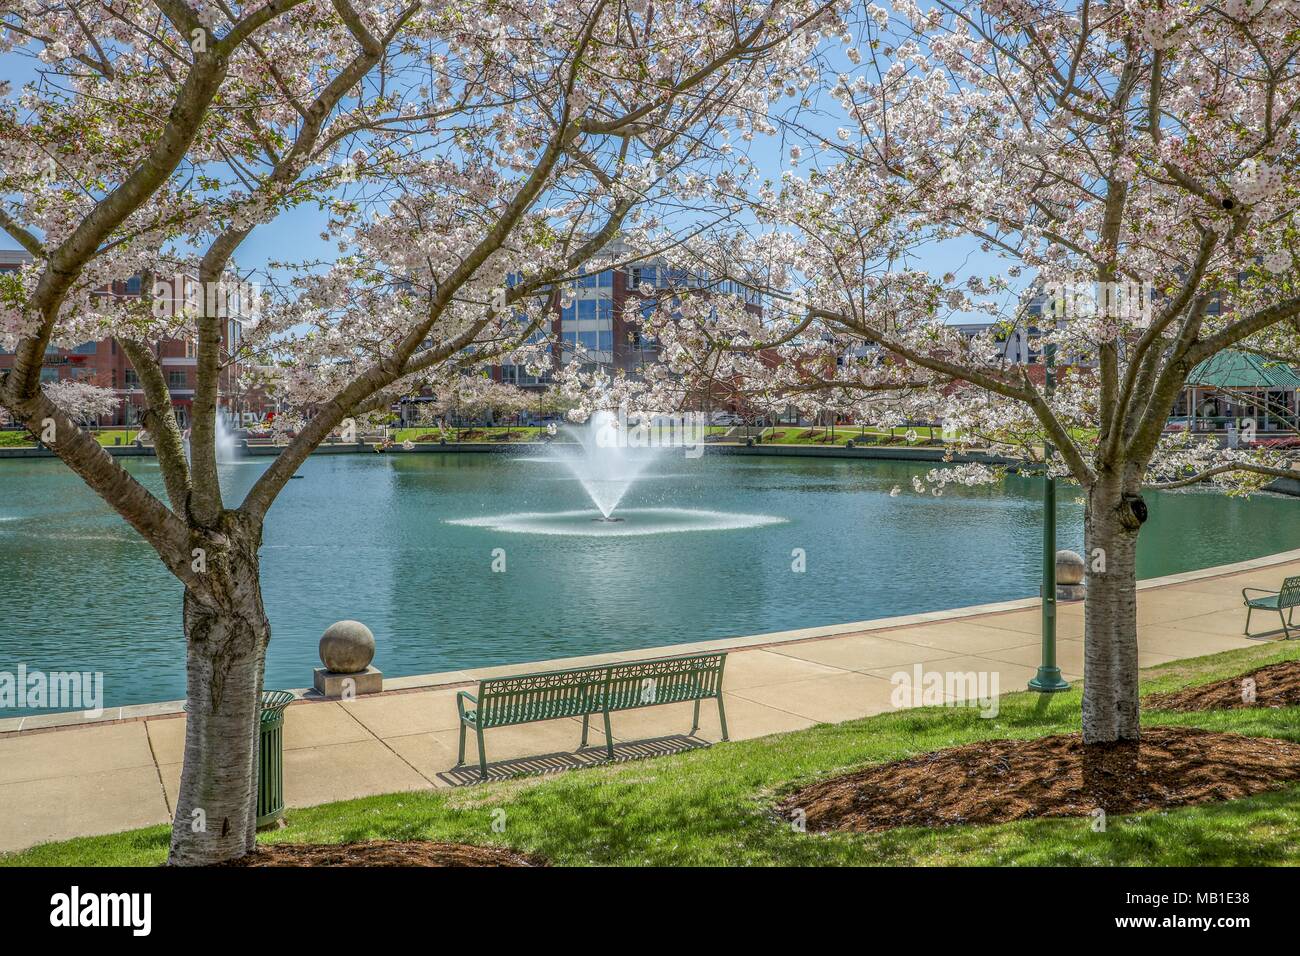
(1223, 470)
(168, 444)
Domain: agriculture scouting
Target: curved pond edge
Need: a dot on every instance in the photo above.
(471, 676)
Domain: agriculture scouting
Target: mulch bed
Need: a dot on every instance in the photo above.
(1276, 685)
(998, 781)
(383, 853)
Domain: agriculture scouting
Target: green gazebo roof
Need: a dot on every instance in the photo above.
(1232, 369)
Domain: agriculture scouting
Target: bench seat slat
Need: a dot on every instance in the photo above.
(518, 709)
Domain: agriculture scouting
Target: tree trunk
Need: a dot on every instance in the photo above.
(226, 634)
(1110, 667)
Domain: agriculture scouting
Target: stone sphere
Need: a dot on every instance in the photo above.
(347, 647)
(1069, 567)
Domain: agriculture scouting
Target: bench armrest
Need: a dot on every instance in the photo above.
(461, 697)
(1246, 597)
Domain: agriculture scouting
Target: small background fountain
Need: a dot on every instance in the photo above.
(227, 449)
(226, 446)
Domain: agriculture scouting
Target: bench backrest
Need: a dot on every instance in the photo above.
(529, 697)
(664, 680)
(591, 690)
(1289, 596)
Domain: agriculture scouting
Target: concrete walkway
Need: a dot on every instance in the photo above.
(61, 776)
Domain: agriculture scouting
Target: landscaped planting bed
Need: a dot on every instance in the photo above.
(998, 781)
(1276, 685)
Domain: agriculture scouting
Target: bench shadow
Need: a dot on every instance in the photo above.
(572, 760)
(1275, 636)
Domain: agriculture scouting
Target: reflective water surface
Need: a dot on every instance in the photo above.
(407, 544)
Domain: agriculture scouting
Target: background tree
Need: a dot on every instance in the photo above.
(459, 396)
(82, 401)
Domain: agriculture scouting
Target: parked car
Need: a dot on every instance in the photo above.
(725, 418)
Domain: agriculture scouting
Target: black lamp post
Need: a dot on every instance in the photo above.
(1048, 679)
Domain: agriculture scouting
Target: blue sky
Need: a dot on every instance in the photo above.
(294, 236)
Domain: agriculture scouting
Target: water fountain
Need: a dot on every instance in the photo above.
(603, 463)
(607, 461)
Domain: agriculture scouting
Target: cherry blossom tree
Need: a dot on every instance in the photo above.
(1126, 169)
(79, 399)
(83, 401)
(471, 162)
(459, 394)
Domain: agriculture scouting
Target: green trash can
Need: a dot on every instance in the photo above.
(270, 757)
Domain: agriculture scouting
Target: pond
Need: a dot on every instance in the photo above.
(458, 560)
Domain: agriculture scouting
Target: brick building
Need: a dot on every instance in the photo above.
(103, 363)
(599, 320)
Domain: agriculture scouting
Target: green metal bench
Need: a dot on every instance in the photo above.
(587, 691)
(1284, 602)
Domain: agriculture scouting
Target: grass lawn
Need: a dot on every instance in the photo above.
(21, 439)
(477, 434)
(713, 806)
(107, 435)
(802, 435)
